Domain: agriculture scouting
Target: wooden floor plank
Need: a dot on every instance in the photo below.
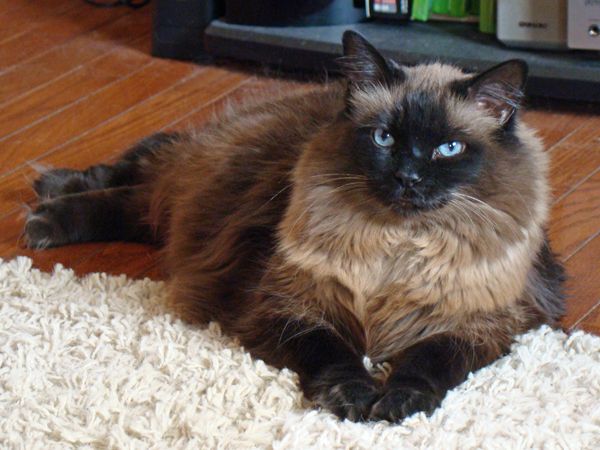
(590, 322)
(155, 272)
(258, 88)
(98, 107)
(576, 218)
(20, 18)
(63, 91)
(62, 59)
(133, 260)
(570, 164)
(55, 31)
(584, 282)
(554, 126)
(11, 227)
(588, 132)
(9, 6)
(116, 134)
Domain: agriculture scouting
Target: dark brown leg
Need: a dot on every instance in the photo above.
(125, 172)
(423, 374)
(331, 373)
(58, 182)
(103, 215)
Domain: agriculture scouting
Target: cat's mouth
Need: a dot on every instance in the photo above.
(407, 205)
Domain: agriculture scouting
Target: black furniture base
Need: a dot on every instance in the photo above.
(563, 75)
(178, 27)
(188, 29)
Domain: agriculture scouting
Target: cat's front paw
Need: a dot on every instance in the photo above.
(351, 399)
(348, 396)
(43, 227)
(402, 401)
(54, 183)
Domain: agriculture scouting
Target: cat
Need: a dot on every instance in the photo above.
(398, 213)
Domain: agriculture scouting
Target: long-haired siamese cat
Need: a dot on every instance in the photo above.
(397, 214)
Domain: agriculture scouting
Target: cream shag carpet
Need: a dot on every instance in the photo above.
(96, 363)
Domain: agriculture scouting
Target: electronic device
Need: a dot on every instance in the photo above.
(202, 29)
(584, 24)
(388, 9)
(533, 23)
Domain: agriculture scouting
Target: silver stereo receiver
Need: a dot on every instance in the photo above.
(532, 23)
(584, 24)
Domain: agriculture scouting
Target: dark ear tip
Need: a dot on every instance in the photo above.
(518, 67)
(521, 64)
(513, 71)
(350, 35)
(353, 39)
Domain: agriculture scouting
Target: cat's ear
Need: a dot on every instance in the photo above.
(499, 90)
(362, 64)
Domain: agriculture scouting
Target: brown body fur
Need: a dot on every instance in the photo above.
(395, 281)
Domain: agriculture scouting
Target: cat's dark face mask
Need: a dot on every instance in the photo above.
(409, 138)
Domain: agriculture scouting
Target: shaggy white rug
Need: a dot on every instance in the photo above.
(96, 363)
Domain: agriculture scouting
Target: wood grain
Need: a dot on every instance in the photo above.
(554, 127)
(576, 218)
(116, 134)
(21, 18)
(250, 89)
(584, 282)
(53, 30)
(62, 59)
(590, 322)
(570, 164)
(146, 78)
(56, 95)
(133, 260)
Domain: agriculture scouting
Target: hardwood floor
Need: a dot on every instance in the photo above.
(78, 86)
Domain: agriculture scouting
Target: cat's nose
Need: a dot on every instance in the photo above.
(408, 178)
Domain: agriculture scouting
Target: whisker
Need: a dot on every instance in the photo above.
(274, 196)
(475, 206)
(347, 187)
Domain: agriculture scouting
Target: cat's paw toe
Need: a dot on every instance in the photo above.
(43, 229)
(350, 400)
(400, 402)
(57, 182)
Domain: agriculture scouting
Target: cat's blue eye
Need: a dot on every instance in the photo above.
(382, 137)
(449, 149)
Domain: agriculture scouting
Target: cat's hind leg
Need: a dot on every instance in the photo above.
(58, 182)
(125, 172)
(99, 215)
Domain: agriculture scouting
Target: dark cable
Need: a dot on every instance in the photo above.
(135, 4)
